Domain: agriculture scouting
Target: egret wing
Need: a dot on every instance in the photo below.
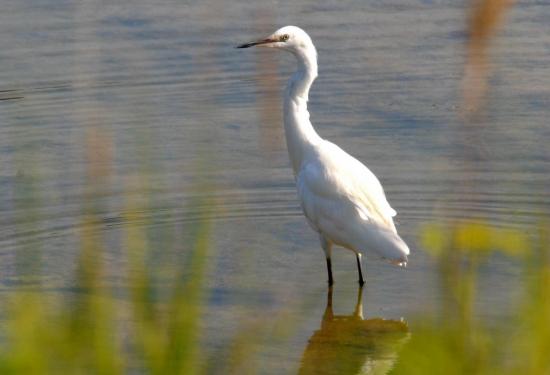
(337, 177)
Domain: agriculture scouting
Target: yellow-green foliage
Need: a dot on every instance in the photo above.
(92, 331)
(456, 342)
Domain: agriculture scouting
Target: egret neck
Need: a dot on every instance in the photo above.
(300, 135)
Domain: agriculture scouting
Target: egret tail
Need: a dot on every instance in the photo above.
(387, 244)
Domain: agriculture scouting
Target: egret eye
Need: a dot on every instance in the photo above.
(284, 37)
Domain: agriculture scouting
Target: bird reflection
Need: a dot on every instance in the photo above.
(349, 344)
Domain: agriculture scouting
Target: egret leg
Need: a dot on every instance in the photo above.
(360, 270)
(329, 269)
(327, 248)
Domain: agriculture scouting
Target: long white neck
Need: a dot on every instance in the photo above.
(301, 137)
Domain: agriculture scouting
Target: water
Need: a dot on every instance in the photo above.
(148, 101)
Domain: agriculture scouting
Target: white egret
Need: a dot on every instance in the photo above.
(341, 198)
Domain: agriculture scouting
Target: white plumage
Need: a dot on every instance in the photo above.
(341, 198)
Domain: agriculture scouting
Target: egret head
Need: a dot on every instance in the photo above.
(288, 38)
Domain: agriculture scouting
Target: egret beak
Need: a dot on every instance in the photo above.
(257, 43)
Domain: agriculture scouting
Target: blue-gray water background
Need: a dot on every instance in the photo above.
(158, 90)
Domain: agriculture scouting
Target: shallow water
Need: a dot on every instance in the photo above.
(147, 102)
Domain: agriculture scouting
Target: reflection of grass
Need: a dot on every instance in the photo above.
(458, 343)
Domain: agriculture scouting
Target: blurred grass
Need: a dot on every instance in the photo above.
(457, 342)
(485, 17)
(92, 330)
(84, 331)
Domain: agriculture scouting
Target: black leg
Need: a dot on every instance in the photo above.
(329, 269)
(327, 248)
(361, 280)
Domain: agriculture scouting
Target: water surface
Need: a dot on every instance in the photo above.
(102, 104)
